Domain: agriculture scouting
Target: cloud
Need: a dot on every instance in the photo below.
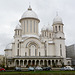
(12, 10)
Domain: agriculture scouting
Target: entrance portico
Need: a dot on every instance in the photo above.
(39, 61)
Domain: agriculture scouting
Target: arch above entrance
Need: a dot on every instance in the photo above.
(34, 41)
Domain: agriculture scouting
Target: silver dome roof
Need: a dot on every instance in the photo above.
(9, 46)
(48, 27)
(18, 27)
(29, 14)
(57, 19)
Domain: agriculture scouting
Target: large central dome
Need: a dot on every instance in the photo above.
(29, 14)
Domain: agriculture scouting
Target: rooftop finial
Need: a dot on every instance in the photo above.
(29, 7)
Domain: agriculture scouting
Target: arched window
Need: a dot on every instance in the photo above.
(45, 33)
(18, 52)
(25, 53)
(15, 32)
(18, 32)
(18, 45)
(50, 35)
(27, 25)
(39, 54)
(24, 26)
(60, 49)
(30, 25)
(34, 25)
(59, 28)
(56, 28)
(29, 52)
(35, 52)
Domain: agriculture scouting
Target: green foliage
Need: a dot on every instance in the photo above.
(39, 73)
(54, 65)
(63, 64)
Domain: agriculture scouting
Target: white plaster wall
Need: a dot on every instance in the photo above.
(59, 34)
(51, 50)
(57, 47)
(16, 46)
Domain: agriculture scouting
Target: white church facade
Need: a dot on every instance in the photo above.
(31, 49)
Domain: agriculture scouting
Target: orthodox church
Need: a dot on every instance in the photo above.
(31, 49)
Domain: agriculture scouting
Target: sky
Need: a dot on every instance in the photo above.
(12, 10)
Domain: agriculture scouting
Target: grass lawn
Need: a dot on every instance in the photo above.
(40, 73)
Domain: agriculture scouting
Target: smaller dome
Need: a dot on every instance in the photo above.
(48, 27)
(18, 27)
(9, 46)
(44, 27)
(57, 19)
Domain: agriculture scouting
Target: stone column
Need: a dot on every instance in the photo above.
(23, 63)
(70, 63)
(43, 62)
(27, 62)
(55, 62)
(47, 62)
(35, 62)
(14, 62)
(39, 62)
(51, 63)
(31, 62)
(19, 63)
(58, 63)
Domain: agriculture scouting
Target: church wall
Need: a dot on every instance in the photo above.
(60, 52)
(25, 46)
(17, 40)
(51, 50)
(42, 51)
